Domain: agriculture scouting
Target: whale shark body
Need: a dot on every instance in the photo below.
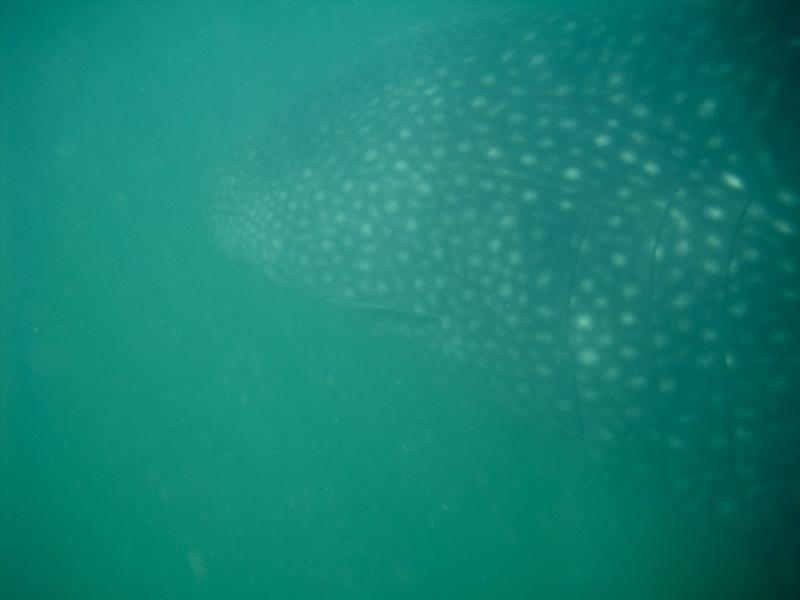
(601, 210)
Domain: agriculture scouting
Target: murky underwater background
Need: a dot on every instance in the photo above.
(174, 426)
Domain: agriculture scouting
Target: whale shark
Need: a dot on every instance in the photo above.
(599, 209)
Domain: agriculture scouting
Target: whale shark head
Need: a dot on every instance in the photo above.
(458, 174)
(601, 210)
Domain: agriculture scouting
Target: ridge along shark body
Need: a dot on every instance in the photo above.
(600, 210)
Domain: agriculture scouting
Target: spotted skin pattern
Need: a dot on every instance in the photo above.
(601, 210)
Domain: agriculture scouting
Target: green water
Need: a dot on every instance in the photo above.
(175, 427)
